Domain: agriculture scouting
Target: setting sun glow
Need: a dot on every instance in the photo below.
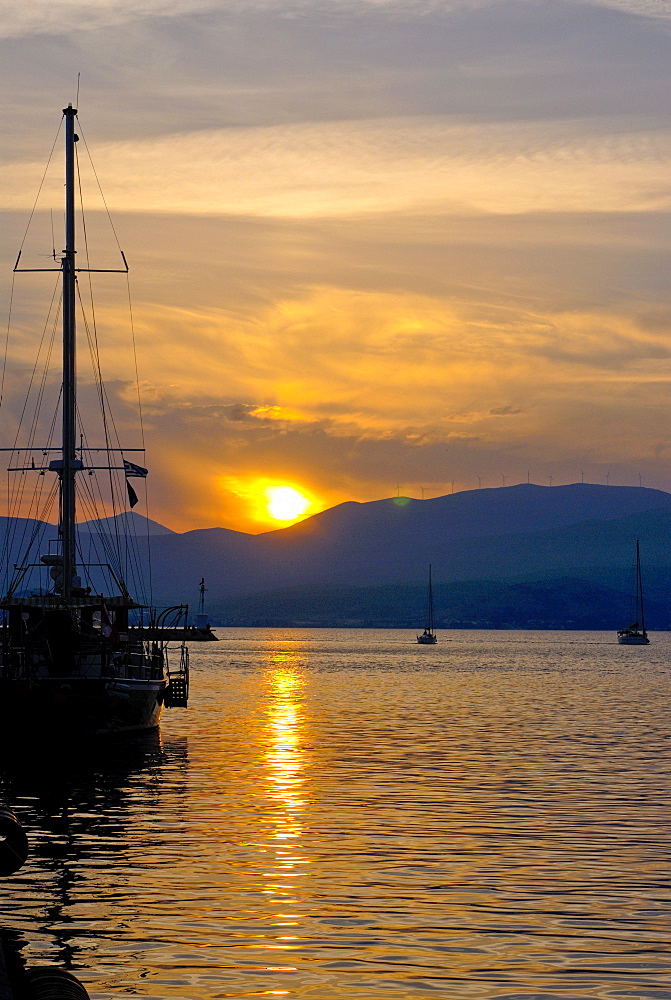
(284, 503)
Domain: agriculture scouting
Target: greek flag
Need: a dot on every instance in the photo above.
(133, 470)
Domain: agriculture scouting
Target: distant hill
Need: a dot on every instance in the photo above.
(515, 532)
(128, 522)
(531, 537)
(24, 540)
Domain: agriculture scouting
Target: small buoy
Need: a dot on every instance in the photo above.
(13, 842)
(53, 984)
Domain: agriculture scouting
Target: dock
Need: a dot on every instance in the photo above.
(189, 633)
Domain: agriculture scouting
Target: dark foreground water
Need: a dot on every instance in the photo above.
(346, 815)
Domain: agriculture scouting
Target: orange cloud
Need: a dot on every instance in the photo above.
(298, 392)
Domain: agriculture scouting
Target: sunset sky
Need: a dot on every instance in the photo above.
(375, 247)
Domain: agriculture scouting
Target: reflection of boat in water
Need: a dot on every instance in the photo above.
(635, 634)
(428, 636)
(90, 811)
(68, 658)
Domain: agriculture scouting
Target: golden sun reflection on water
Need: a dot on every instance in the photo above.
(285, 764)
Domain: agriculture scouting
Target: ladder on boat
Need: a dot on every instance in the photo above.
(177, 691)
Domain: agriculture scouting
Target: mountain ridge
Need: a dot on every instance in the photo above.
(513, 534)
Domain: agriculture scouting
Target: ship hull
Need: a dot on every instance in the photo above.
(76, 705)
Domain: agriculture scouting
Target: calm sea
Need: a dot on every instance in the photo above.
(346, 815)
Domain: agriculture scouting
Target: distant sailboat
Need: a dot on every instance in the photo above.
(428, 636)
(635, 634)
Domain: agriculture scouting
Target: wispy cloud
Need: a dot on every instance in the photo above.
(371, 364)
(60, 16)
(640, 8)
(42, 17)
(387, 165)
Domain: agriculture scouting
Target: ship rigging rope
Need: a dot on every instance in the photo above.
(10, 534)
(132, 553)
(109, 556)
(23, 241)
(39, 506)
(92, 501)
(15, 501)
(39, 190)
(115, 480)
(39, 529)
(92, 335)
(139, 408)
(9, 324)
(95, 174)
(132, 332)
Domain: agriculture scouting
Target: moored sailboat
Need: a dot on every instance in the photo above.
(69, 661)
(635, 634)
(428, 636)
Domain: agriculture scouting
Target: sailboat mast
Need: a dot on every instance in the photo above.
(430, 608)
(69, 463)
(639, 586)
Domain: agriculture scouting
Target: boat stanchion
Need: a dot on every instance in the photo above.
(13, 842)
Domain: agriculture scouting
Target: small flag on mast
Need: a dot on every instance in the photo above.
(130, 469)
(134, 470)
(109, 628)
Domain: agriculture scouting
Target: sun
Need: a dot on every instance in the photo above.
(284, 503)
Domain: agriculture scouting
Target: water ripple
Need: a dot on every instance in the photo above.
(344, 813)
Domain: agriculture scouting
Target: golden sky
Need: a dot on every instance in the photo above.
(375, 247)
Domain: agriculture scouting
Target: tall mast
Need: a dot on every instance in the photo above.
(639, 587)
(69, 465)
(430, 603)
